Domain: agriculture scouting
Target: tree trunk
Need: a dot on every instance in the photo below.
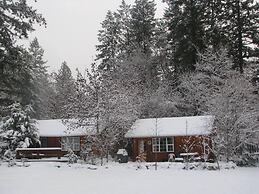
(240, 41)
(107, 155)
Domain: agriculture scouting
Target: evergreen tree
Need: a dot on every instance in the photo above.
(162, 52)
(186, 33)
(16, 83)
(108, 37)
(18, 129)
(65, 91)
(40, 80)
(123, 16)
(16, 21)
(213, 20)
(143, 25)
(84, 99)
(241, 27)
(129, 30)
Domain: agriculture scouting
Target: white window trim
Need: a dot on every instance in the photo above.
(167, 145)
(74, 142)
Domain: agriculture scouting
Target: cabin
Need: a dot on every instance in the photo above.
(56, 138)
(159, 139)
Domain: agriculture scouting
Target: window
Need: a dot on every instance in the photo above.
(70, 142)
(43, 142)
(252, 148)
(163, 144)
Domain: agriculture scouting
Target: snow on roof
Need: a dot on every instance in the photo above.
(57, 128)
(171, 126)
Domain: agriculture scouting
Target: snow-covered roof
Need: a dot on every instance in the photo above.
(171, 126)
(57, 128)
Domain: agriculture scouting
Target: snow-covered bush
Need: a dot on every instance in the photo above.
(247, 159)
(72, 157)
(18, 129)
(9, 156)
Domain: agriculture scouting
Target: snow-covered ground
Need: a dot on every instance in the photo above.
(114, 178)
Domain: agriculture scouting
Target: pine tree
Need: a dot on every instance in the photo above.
(129, 30)
(186, 33)
(143, 25)
(17, 19)
(162, 52)
(241, 28)
(40, 80)
(65, 91)
(83, 100)
(16, 83)
(108, 37)
(213, 20)
(123, 16)
(18, 129)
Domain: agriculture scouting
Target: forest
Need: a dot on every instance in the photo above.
(200, 58)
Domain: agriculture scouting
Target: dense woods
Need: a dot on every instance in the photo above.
(200, 58)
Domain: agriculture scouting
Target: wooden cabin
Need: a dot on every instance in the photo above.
(159, 138)
(56, 138)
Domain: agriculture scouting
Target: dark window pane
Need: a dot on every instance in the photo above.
(163, 141)
(169, 140)
(156, 148)
(170, 148)
(44, 142)
(156, 141)
(163, 148)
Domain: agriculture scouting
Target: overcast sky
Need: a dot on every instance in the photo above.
(72, 27)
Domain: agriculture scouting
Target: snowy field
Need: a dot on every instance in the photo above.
(114, 178)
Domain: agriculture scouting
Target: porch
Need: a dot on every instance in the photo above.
(38, 153)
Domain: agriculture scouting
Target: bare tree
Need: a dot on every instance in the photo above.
(217, 89)
(236, 117)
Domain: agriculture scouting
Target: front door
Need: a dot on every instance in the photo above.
(141, 147)
(142, 150)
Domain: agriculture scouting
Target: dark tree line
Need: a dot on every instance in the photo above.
(24, 77)
(169, 47)
(23, 73)
(178, 65)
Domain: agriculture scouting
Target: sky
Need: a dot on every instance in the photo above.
(72, 27)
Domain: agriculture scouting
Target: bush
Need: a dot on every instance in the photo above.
(72, 157)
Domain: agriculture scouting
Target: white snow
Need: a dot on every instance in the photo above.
(179, 159)
(171, 126)
(56, 128)
(59, 178)
(189, 154)
(26, 142)
(122, 152)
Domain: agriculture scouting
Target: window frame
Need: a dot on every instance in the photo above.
(72, 141)
(156, 143)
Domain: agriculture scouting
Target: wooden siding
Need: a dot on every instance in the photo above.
(163, 156)
(52, 142)
(56, 141)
